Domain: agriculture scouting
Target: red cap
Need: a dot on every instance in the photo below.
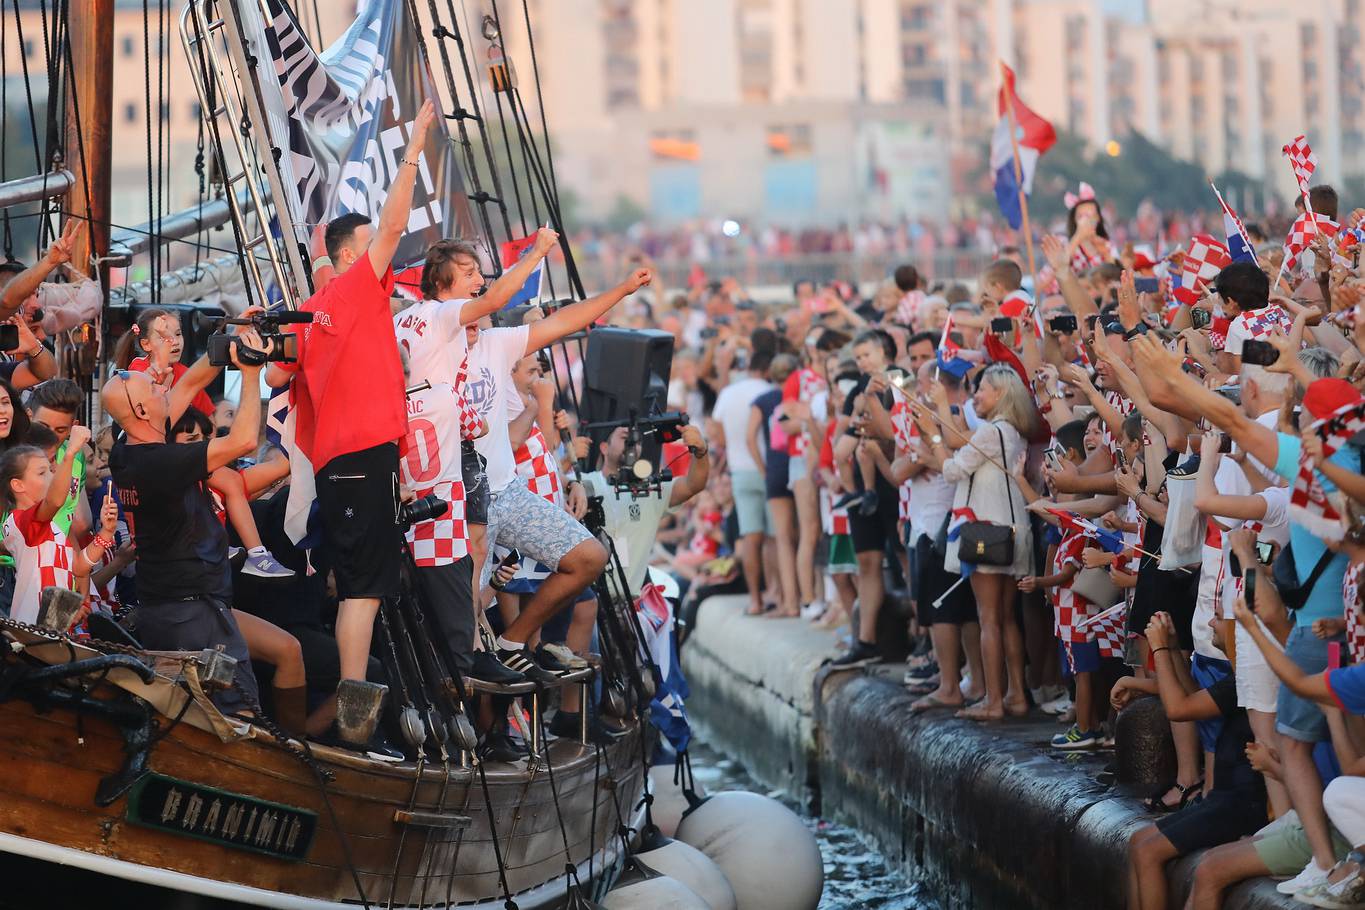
(1327, 396)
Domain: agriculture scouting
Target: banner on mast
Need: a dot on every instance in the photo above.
(343, 117)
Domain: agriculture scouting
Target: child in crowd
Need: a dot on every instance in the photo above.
(1080, 656)
(32, 493)
(158, 343)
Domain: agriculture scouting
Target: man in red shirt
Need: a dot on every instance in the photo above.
(350, 408)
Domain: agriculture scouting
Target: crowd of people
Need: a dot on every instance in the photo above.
(1071, 490)
(1122, 477)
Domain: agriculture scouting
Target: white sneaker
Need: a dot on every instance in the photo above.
(813, 610)
(1310, 876)
(1057, 705)
(565, 656)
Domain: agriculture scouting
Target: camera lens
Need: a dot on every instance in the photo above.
(428, 508)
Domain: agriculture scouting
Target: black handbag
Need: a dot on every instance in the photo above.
(1286, 575)
(985, 543)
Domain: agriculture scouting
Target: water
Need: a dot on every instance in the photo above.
(857, 876)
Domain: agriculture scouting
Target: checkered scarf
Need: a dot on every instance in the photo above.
(1309, 504)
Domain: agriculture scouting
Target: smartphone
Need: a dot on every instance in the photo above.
(512, 558)
(1001, 324)
(1065, 323)
(1200, 319)
(1146, 285)
(1249, 589)
(1264, 551)
(1231, 392)
(1224, 443)
(9, 337)
(1120, 459)
(1334, 660)
(1090, 321)
(707, 333)
(1259, 353)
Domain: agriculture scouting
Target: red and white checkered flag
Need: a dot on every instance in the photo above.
(1302, 159)
(1205, 258)
(1309, 503)
(1109, 630)
(1306, 227)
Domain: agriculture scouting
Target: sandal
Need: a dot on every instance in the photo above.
(1157, 801)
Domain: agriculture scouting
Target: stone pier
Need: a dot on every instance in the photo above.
(987, 815)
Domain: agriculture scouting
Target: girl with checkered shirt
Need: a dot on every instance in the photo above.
(32, 492)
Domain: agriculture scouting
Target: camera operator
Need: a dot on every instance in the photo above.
(183, 576)
(632, 519)
(348, 394)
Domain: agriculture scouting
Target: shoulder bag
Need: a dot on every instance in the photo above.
(1286, 575)
(985, 543)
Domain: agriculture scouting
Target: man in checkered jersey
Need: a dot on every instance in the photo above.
(517, 518)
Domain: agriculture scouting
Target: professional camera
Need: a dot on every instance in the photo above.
(428, 508)
(641, 472)
(284, 350)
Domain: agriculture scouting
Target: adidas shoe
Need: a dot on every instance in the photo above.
(523, 662)
(1076, 739)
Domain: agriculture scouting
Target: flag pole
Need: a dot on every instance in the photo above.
(1241, 231)
(1019, 178)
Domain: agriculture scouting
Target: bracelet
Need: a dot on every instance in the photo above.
(103, 542)
(1156, 651)
(413, 163)
(321, 261)
(36, 351)
(695, 454)
(495, 584)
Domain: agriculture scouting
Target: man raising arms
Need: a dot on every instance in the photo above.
(348, 392)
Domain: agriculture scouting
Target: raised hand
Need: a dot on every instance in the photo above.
(80, 435)
(421, 125)
(636, 280)
(546, 240)
(60, 251)
(1055, 253)
(109, 515)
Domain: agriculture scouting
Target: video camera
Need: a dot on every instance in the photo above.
(284, 350)
(639, 475)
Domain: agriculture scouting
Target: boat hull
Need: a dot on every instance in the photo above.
(411, 837)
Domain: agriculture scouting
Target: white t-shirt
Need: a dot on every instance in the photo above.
(632, 524)
(732, 410)
(431, 464)
(431, 334)
(931, 497)
(1258, 324)
(489, 390)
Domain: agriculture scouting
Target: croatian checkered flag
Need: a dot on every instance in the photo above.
(1306, 227)
(279, 431)
(1205, 258)
(1109, 629)
(1302, 159)
(1309, 504)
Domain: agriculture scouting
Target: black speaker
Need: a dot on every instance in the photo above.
(625, 374)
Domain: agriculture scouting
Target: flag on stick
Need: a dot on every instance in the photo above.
(1031, 134)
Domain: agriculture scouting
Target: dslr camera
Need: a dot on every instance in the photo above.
(285, 348)
(428, 508)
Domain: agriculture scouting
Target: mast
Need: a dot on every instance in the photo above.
(89, 100)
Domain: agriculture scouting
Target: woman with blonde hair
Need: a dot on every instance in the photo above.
(981, 470)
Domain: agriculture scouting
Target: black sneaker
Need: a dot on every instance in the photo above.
(378, 748)
(548, 661)
(848, 499)
(501, 748)
(521, 661)
(565, 725)
(487, 668)
(868, 507)
(860, 655)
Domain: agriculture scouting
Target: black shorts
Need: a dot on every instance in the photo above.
(872, 533)
(447, 594)
(1221, 817)
(193, 625)
(358, 507)
(958, 607)
(475, 485)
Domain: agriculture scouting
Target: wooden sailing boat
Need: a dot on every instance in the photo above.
(118, 766)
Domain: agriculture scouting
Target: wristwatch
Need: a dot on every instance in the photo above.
(695, 454)
(38, 349)
(1139, 329)
(936, 439)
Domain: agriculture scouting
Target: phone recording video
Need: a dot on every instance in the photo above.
(1065, 323)
(1146, 285)
(1259, 353)
(1001, 324)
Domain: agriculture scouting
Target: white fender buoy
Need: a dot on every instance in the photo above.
(669, 801)
(766, 852)
(694, 869)
(658, 893)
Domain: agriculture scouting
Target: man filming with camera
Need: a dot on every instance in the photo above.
(349, 399)
(183, 576)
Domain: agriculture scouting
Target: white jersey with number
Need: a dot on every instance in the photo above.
(432, 465)
(433, 338)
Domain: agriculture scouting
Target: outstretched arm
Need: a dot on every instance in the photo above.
(393, 218)
(511, 281)
(25, 284)
(580, 315)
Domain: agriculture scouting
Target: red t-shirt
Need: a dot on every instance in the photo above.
(348, 386)
(202, 401)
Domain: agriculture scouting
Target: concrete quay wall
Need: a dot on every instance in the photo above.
(987, 815)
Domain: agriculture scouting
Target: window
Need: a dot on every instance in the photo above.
(28, 47)
(789, 141)
(196, 111)
(165, 112)
(128, 45)
(130, 113)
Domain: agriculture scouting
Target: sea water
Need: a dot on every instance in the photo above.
(857, 876)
